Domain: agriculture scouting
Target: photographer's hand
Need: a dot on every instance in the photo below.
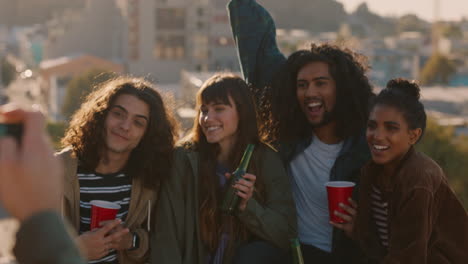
(30, 176)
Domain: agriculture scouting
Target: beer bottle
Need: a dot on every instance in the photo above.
(296, 251)
(231, 200)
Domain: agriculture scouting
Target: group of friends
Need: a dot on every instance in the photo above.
(312, 117)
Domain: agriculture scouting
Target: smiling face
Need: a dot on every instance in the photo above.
(388, 135)
(219, 122)
(316, 93)
(125, 124)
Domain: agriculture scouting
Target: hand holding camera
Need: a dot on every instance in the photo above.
(30, 176)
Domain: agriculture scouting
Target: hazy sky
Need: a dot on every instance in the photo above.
(449, 9)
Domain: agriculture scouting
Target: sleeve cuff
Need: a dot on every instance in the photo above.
(251, 213)
(43, 238)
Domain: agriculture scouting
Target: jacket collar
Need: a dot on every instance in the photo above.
(141, 198)
(373, 168)
(351, 145)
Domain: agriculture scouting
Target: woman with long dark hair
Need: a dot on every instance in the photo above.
(190, 228)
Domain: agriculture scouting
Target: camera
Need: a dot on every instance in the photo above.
(14, 130)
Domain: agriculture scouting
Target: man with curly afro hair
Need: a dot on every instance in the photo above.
(314, 108)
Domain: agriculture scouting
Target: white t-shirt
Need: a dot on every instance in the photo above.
(310, 170)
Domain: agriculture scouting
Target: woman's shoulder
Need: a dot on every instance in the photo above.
(186, 149)
(186, 146)
(267, 147)
(420, 171)
(267, 151)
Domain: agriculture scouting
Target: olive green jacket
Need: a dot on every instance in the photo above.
(177, 237)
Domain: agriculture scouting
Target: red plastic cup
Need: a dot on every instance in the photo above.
(338, 192)
(102, 211)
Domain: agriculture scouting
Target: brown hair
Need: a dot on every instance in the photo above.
(152, 158)
(212, 222)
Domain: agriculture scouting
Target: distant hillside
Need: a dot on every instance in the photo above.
(328, 15)
(313, 15)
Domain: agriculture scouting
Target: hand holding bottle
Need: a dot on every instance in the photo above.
(245, 188)
(231, 201)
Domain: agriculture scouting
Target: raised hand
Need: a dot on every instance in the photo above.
(30, 176)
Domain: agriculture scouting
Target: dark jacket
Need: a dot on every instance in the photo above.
(427, 224)
(177, 238)
(43, 239)
(255, 37)
(254, 33)
(347, 166)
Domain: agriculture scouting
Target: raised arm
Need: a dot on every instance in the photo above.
(254, 33)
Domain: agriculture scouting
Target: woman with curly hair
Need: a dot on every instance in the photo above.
(118, 148)
(190, 227)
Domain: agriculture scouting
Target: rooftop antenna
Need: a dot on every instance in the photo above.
(435, 28)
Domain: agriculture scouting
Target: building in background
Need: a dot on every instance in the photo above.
(98, 30)
(55, 75)
(151, 38)
(166, 36)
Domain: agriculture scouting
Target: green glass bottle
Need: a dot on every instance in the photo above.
(231, 199)
(296, 251)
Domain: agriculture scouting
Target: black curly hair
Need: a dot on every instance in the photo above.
(348, 69)
(404, 95)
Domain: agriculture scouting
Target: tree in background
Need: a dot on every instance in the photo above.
(412, 22)
(80, 86)
(437, 70)
(371, 23)
(8, 72)
(451, 153)
(56, 131)
(311, 15)
(450, 30)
